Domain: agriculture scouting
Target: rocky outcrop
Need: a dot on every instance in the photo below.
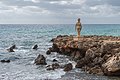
(94, 54)
(40, 60)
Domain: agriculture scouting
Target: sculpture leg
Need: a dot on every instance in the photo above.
(78, 30)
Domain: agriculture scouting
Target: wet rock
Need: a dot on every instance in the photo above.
(5, 61)
(50, 68)
(48, 52)
(68, 67)
(112, 66)
(55, 66)
(35, 47)
(40, 60)
(13, 47)
(55, 48)
(10, 50)
(54, 60)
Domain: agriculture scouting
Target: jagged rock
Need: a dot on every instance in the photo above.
(68, 67)
(112, 66)
(35, 47)
(5, 61)
(90, 52)
(82, 62)
(11, 48)
(40, 60)
(54, 60)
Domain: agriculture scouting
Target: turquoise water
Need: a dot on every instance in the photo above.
(24, 36)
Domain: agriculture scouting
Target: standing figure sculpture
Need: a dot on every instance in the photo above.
(78, 28)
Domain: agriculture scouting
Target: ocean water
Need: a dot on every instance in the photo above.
(24, 36)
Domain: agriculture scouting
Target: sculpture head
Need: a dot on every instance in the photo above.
(78, 19)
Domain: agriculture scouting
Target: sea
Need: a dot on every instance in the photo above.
(25, 36)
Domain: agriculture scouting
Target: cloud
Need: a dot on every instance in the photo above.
(68, 2)
(59, 9)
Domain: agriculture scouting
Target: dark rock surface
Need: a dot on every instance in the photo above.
(5, 61)
(11, 48)
(35, 47)
(40, 60)
(68, 67)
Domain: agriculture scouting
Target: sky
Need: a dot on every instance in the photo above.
(59, 11)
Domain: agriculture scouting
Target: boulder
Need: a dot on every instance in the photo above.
(55, 66)
(40, 60)
(48, 52)
(35, 47)
(112, 66)
(68, 67)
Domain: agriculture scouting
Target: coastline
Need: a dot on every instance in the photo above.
(94, 54)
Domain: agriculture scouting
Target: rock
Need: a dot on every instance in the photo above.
(90, 54)
(5, 61)
(77, 55)
(35, 47)
(52, 40)
(50, 68)
(82, 62)
(48, 52)
(96, 70)
(55, 66)
(54, 60)
(55, 48)
(40, 60)
(13, 47)
(68, 67)
(112, 66)
(10, 50)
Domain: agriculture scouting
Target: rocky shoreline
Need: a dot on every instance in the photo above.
(94, 54)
